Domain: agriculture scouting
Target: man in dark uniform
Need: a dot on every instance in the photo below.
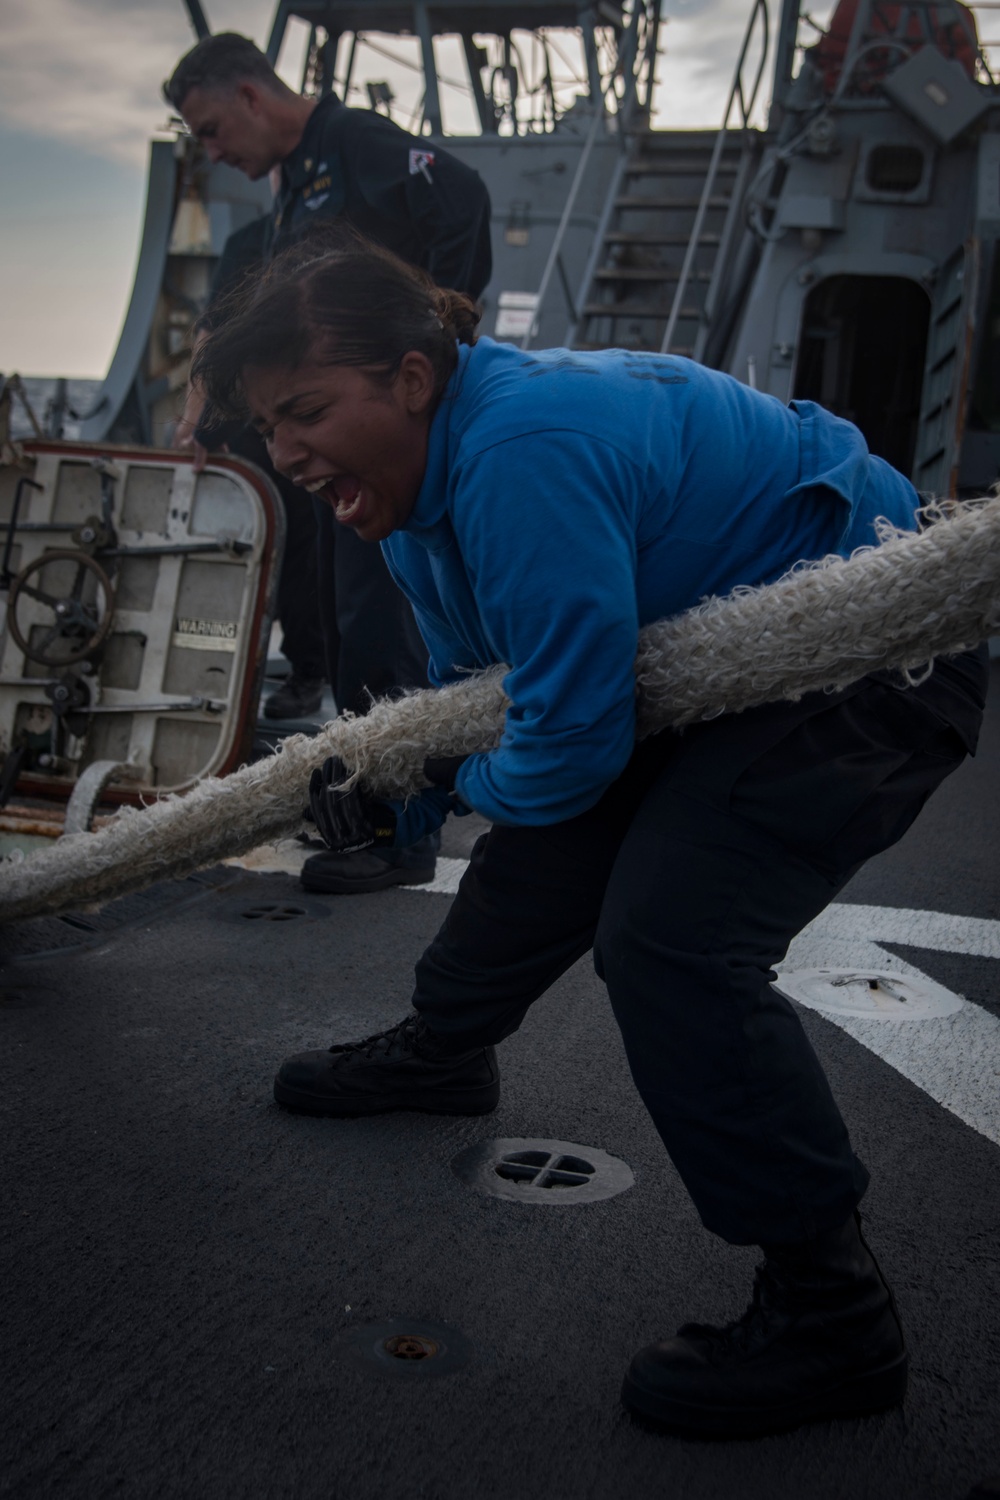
(432, 210)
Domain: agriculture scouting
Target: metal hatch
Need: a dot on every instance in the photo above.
(139, 603)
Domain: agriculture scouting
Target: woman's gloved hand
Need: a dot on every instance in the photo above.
(346, 819)
(349, 820)
(444, 772)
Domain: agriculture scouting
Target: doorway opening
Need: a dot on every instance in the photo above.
(862, 355)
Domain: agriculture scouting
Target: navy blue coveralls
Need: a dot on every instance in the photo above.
(430, 209)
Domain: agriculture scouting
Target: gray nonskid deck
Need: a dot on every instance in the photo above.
(186, 1266)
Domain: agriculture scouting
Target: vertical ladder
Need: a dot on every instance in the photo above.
(631, 293)
(946, 375)
(665, 237)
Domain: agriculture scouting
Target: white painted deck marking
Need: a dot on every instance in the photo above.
(954, 1059)
(446, 877)
(287, 857)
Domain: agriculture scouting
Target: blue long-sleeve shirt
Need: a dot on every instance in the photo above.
(570, 499)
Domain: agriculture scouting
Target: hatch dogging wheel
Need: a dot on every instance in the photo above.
(72, 616)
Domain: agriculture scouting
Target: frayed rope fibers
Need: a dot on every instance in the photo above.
(822, 626)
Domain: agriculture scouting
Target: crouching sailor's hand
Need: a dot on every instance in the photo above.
(347, 819)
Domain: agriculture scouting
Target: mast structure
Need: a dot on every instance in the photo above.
(198, 19)
(521, 63)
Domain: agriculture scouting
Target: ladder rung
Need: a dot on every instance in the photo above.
(654, 237)
(647, 273)
(667, 165)
(629, 201)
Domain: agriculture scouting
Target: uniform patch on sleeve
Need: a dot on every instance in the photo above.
(421, 161)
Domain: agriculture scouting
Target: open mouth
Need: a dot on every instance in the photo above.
(342, 491)
(347, 490)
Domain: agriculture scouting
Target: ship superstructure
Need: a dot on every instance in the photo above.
(841, 250)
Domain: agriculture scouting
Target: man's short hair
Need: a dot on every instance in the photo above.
(220, 61)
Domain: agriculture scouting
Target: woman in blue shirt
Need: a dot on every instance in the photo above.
(538, 509)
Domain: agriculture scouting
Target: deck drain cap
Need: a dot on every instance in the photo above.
(407, 1348)
(411, 1346)
(551, 1172)
(263, 913)
(869, 994)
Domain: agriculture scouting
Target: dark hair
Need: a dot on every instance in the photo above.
(220, 61)
(355, 304)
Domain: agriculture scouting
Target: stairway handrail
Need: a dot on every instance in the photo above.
(577, 315)
(560, 235)
(758, 12)
(601, 114)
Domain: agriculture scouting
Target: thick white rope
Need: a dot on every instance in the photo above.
(824, 625)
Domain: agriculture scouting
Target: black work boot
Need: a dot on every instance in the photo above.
(820, 1339)
(371, 869)
(297, 698)
(406, 1067)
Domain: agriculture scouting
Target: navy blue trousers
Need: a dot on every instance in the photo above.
(688, 880)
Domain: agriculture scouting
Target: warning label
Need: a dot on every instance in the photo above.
(205, 635)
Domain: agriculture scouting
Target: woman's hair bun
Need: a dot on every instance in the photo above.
(458, 313)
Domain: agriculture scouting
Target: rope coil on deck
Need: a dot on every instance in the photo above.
(822, 626)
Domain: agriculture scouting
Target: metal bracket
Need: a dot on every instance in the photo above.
(6, 576)
(87, 792)
(168, 706)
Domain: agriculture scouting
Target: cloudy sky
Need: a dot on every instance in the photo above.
(79, 102)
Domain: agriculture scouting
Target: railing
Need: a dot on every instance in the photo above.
(628, 67)
(758, 18)
(897, 37)
(597, 246)
(554, 263)
(989, 47)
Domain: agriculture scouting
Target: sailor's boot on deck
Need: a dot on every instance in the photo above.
(820, 1339)
(371, 869)
(404, 1067)
(298, 698)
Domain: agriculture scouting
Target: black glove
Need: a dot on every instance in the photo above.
(444, 770)
(347, 820)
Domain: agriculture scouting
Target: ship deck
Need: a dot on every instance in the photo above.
(195, 1281)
